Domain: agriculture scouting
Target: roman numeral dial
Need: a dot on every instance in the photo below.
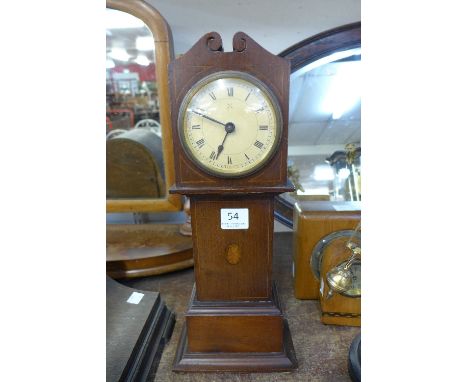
(230, 124)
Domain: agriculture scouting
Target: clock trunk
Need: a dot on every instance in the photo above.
(221, 274)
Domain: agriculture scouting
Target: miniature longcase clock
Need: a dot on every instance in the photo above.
(229, 120)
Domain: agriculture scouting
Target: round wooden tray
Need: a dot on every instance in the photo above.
(137, 250)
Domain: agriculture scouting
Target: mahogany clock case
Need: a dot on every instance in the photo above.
(234, 321)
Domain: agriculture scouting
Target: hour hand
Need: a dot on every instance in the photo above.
(207, 117)
(221, 146)
(220, 149)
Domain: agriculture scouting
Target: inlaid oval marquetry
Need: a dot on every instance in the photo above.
(233, 254)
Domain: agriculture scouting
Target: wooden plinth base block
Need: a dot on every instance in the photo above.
(284, 360)
(235, 336)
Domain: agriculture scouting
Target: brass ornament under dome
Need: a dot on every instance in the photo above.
(340, 278)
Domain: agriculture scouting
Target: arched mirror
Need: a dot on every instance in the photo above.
(139, 157)
(324, 143)
(139, 147)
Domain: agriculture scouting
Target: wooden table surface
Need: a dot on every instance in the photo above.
(321, 350)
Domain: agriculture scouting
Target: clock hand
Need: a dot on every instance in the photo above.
(230, 127)
(209, 118)
(221, 146)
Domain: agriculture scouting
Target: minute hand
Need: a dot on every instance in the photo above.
(209, 118)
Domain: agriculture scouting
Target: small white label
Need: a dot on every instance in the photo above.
(234, 218)
(135, 298)
(321, 287)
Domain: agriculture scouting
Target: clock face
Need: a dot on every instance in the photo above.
(230, 124)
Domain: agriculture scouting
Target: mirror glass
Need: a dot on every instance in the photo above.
(134, 160)
(324, 146)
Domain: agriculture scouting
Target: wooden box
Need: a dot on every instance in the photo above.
(314, 220)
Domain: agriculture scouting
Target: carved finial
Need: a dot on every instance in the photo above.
(214, 42)
(239, 42)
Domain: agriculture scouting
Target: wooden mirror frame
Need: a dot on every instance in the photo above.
(164, 53)
(303, 53)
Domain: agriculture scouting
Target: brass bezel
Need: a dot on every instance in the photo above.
(248, 78)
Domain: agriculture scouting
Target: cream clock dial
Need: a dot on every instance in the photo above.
(230, 124)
